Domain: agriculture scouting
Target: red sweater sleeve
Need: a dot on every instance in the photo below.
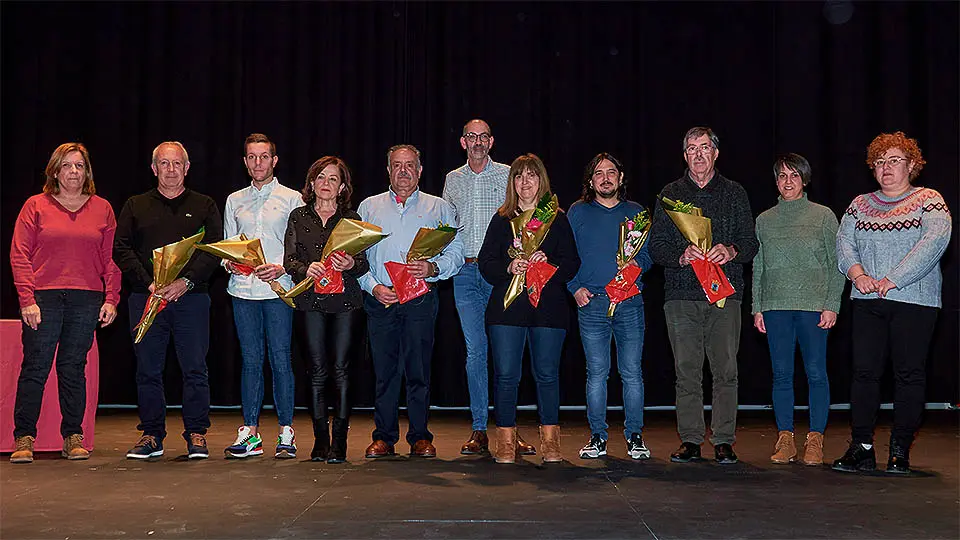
(111, 272)
(21, 252)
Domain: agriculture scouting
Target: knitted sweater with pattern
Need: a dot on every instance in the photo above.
(901, 238)
(796, 265)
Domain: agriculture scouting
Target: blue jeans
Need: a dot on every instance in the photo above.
(627, 328)
(472, 293)
(784, 329)
(546, 344)
(401, 343)
(68, 317)
(258, 319)
(188, 321)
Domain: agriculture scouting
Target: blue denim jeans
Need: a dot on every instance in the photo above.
(784, 330)
(68, 317)
(188, 321)
(472, 293)
(269, 321)
(627, 328)
(546, 344)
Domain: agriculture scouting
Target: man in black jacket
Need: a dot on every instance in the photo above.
(166, 214)
(694, 325)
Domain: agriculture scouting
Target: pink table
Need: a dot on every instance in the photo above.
(48, 428)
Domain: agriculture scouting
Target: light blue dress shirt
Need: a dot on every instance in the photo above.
(260, 213)
(402, 221)
(476, 198)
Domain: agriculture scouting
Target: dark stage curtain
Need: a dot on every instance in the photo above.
(563, 80)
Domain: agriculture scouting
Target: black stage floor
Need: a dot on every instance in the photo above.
(456, 496)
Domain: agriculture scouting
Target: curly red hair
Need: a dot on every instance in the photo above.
(886, 141)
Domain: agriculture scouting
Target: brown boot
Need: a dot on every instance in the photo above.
(524, 448)
(506, 445)
(786, 449)
(24, 450)
(813, 449)
(550, 444)
(73, 447)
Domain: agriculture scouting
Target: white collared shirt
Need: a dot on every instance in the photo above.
(260, 213)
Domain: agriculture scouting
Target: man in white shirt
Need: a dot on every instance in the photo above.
(260, 210)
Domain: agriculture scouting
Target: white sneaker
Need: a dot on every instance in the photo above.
(286, 444)
(247, 444)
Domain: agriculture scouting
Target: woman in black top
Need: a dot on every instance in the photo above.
(333, 322)
(544, 327)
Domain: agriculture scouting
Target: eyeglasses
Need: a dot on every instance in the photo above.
(703, 149)
(893, 161)
(472, 137)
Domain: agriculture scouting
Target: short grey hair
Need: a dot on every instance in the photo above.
(410, 147)
(178, 144)
(700, 131)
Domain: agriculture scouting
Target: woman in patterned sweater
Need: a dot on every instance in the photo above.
(889, 245)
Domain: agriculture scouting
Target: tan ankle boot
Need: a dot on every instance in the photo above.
(786, 449)
(550, 444)
(73, 447)
(506, 445)
(813, 449)
(24, 450)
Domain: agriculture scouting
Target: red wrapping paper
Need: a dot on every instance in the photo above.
(405, 285)
(714, 282)
(537, 275)
(330, 281)
(244, 269)
(624, 284)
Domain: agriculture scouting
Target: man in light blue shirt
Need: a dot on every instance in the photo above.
(401, 335)
(260, 210)
(476, 190)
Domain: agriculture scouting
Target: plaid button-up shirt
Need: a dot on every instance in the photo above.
(476, 197)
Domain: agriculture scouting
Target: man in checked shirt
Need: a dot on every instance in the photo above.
(476, 190)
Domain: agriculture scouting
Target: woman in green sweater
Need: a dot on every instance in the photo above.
(796, 297)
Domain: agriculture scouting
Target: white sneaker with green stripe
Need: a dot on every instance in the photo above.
(247, 444)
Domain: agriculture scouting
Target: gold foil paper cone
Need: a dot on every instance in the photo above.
(529, 242)
(299, 288)
(429, 243)
(238, 249)
(168, 261)
(352, 236)
(693, 226)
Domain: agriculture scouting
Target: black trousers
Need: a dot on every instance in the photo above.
(333, 339)
(886, 330)
(68, 317)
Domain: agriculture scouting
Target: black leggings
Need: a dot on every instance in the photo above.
(332, 338)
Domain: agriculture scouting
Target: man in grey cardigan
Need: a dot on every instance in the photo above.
(695, 326)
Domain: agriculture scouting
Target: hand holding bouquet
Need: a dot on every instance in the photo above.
(529, 230)
(350, 237)
(633, 234)
(698, 230)
(246, 255)
(168, 261)
(428, 243)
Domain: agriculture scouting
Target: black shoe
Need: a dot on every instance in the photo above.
(338, 448)
(857, 458)
(686, 453)
(899, 461)
(321, 440)
(724, 454)
(197, 446)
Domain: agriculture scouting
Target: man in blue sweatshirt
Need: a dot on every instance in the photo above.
(596, 219)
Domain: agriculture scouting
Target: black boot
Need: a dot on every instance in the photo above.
(321, 440)
(857, 458)
(338, 449)
(899, 461)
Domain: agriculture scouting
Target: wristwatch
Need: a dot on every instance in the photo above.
(436, 269)
(188, 283)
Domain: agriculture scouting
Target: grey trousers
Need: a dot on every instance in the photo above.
(696, 327)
